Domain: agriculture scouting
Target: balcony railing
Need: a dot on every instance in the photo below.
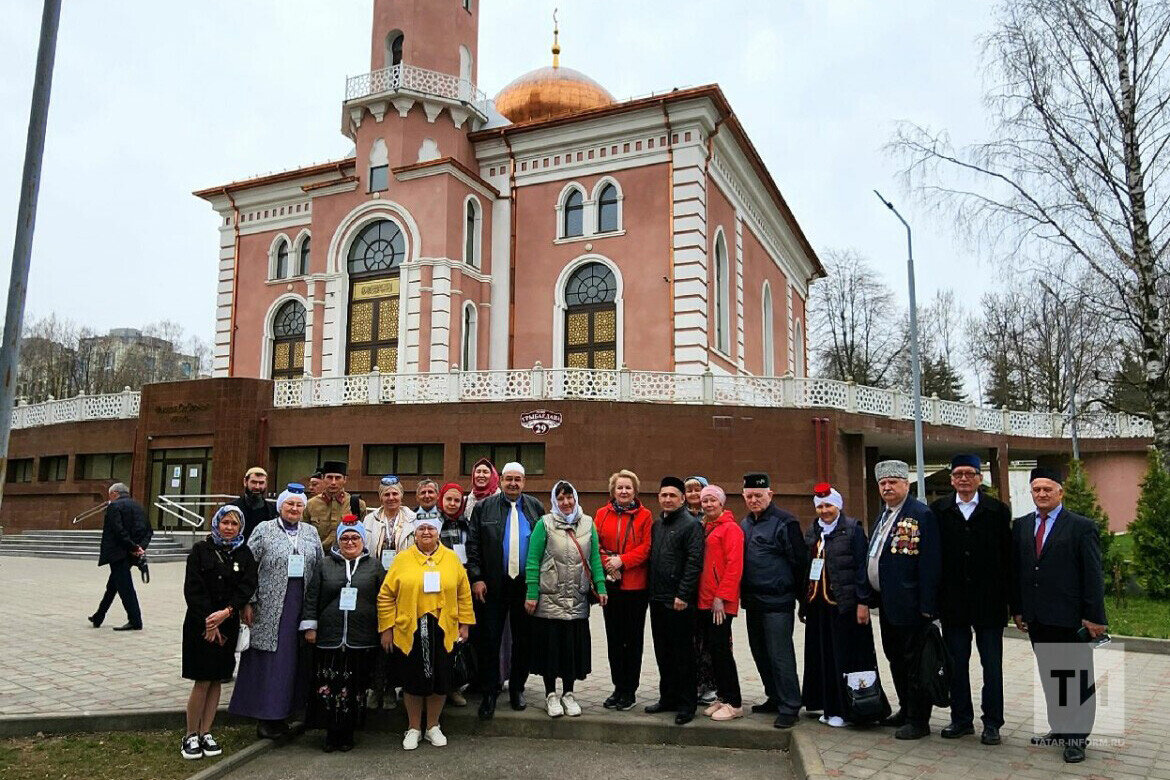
(551, 384)
(420, 80)
(108, 406)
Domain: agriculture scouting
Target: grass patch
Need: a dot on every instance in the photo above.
(111, 755)
(1140, 616)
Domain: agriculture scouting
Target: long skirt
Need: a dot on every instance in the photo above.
(340, 677)
(560, 648)
(835, 644)
(426, 671)
(383, 681)
(271, 685)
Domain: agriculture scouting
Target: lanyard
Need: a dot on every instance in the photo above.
(293, 539)
(350, 572)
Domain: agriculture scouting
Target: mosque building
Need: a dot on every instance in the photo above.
(551, 224)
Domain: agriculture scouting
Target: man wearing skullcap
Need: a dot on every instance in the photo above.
(775, 580)
(325, 511)
(1058, 598)
(975, 531)
(903, 566)
(252, 503)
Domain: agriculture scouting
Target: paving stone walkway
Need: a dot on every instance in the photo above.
(55, 663)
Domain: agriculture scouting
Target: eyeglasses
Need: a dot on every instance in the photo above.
(389, 479)
(965, 474)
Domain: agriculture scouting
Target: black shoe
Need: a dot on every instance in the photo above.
(896, 720)
(657, 707)
(767, 708)
(271, 729)
(328, 747)
(683, 718)
(954, 731)
(487, 706)
(1074, 754)
(95, 620)
(210, 747)
(517, 701)
(346, 746)
(990, 735)
(128, 627)
(612, 702)
(913, 731)
(785, 721)
(1044, 739)
(627, 703)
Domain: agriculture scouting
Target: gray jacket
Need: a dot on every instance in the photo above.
(357, 628)
(564, 580)
(271, 547)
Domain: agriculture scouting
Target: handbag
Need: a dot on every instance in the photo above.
(464, 665)
(867, 704)
(244, 640)
(593, 596)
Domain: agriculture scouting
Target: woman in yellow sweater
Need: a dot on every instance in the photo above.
(423, 608)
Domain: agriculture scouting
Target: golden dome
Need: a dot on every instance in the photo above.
(550, 92)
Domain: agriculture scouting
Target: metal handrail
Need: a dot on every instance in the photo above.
(177, 506)
(93, 510)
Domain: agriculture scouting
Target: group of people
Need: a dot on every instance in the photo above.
(346, 609)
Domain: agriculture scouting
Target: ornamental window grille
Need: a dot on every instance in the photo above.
(288, 341)
(591, 318)
(374, 263)
(379, 247)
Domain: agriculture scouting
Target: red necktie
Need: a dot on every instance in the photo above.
(1040, 534)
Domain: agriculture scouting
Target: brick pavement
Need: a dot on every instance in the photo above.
(54, 663)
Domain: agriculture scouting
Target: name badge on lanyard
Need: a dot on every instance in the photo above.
(387, 558)
(461, 551)
(348, 602)
(431, 582)
(296, 565)
(814, 573)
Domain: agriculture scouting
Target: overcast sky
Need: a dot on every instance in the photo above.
(154, 99)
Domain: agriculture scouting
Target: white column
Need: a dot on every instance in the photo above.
(739, 292)
(223, 302)
(310, 321)
(440, 318)
(332, 320)
(410, 291)
(690, 259)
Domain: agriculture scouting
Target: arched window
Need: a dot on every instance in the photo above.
(574, 216)
(394, 43)
(469, 347)
(281, 260)
(607, 209)
(769, 328)
(591, 318)
(303, 258)
(722, 298)
(288, 341)
(471, 239)
(374, 262)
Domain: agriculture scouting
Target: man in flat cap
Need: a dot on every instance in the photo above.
(676, 561)
(1059, 600)
(976, 535)
(775, 578)
(325, 511)
(903, 566)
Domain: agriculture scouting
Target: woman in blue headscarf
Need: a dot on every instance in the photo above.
(563, 572)
(221, 577)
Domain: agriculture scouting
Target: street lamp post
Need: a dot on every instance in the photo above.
(1068, 368)
(915, 361)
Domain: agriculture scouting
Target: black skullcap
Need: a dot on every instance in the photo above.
(757, 479)
(1045, 473)
(967, 460)
(334, 467)
(673, 482)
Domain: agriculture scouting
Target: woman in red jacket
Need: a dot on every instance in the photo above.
(719, 599)
(623, 532)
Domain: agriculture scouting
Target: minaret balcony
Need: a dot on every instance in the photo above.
(401, 86)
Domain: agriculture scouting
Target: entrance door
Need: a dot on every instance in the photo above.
(179, 472)
(373, 326)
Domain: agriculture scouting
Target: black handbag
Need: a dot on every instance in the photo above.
(464, 664)
(866, 705)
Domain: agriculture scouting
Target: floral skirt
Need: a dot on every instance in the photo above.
(340, 680)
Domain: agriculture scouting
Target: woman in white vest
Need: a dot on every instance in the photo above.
(564, 576)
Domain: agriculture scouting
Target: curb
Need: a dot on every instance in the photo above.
(235, 760)
(84, 723)
(1133, 644)
(806, 758)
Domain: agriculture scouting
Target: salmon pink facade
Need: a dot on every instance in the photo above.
(551, 224)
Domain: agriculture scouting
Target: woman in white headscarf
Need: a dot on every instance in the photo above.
(564, 573)
(270, 684)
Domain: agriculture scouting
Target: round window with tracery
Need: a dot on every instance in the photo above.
(379, 247)
(591, 283)
(289, 321)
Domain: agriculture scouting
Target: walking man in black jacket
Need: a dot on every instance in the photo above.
(124, 527)
(775, 578)
(976, 535)
(676, 560)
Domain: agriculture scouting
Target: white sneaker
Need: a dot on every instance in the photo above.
(435, 736)
(836, 721)
(410, 740)
(572, 708)
(553, 705)
(824, 720)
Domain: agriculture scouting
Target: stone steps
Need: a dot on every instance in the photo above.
(80, 545)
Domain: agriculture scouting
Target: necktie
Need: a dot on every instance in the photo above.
(1040, 533)
(514, 542)
(879, 533)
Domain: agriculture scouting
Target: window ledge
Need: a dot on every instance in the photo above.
(288, 279)
(589, 237)
(724, 355)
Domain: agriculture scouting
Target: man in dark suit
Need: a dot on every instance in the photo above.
(1059, 589)
(123, 530)
(497, 551)
(975, 531)
(903, 567)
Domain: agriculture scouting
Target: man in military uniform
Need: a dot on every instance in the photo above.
(325, 511)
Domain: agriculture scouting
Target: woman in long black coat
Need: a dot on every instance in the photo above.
(221, 577)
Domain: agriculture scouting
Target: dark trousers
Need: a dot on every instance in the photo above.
(1071, 722)
(717, 641)
(989, 642)
(674, 650)
(901, 644)
(625, 627)
(505, 605)
(770, 639)
(120, 582)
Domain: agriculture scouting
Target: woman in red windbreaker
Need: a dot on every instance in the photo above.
(719, 599)
(623, 532)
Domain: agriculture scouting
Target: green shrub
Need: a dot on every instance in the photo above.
(1081, 497)
(1151, 528)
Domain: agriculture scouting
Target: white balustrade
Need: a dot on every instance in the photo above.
(420, 80)
(108, 406)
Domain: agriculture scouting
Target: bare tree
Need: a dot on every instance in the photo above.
(1077, 165)
(856, 322)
